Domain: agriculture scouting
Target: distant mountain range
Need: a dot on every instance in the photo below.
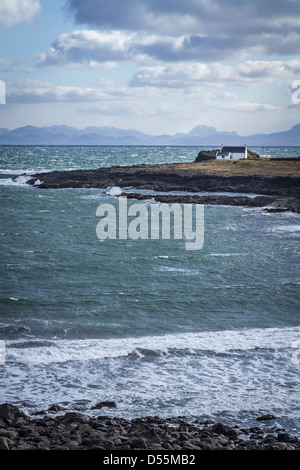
(198, 136)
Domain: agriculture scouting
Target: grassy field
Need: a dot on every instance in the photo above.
(261, 166)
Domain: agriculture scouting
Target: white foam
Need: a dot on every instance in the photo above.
(178, 270)
(286, 228)
(6, 182)
(15, 172)
(17, 181)
(114, 191)
(22, 179)
(227, 254)
(217, 342)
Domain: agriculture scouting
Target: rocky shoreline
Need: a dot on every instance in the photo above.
(267, 203)
(277, 181)
(76, 431)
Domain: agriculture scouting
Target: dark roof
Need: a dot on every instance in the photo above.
(233, 149)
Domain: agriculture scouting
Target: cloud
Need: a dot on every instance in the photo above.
(113, 102)
(13, 12)
(20, 65)
(34, 91)
(248, 107)
(87, 48)
(190, 16)
(90, 48)
(192, 75)
(203, 30)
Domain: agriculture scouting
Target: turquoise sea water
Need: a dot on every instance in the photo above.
(157, 328)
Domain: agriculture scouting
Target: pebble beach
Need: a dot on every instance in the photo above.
(76, 431)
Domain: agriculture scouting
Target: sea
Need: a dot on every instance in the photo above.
(212, 333)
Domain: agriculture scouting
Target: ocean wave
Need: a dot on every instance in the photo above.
(211, 342)
(20, 180)
(14, 331)
(286, 228)
(114, 191)
(4, 171)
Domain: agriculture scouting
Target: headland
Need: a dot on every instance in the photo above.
(274, 181)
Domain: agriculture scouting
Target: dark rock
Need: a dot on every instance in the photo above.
(169, 177)
(266, 417)
(184, 436)
(188, 445)
(72, 417)
(256, 430)
(256, 436)
(269, 203)
(11, 434)
(148, 432)
(252, 155)
(4, 443)
(252, 444)
(277, 446)
(24, 446)
(10, 413)
(285, 437)
(205, 155)
(75, 431)
(269, 439)
(138, 443)
(102, 404)
(55, 409)
(220, 428)
(97, 447)
(283, 191)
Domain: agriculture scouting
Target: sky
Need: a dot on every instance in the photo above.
(158, 66)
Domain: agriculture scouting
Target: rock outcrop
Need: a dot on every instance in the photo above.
(205, 155)
(169, 178)
(277, 178)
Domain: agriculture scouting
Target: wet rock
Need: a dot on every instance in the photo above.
(102, 404)
(39, 413)
(278, 446)
(10, 413)
(72, 417)
(55, 409)
(8, 433)
(285, 437)
(74, 431)
(170, 177)
(4, 443)
(267, 417)
(138, 443)
(256, 436)
(220, 428)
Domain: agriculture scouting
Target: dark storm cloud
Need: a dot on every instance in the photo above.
(192, 47)
(204, 16)
(212, 29)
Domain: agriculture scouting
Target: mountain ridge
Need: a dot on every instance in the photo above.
(93, 135)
